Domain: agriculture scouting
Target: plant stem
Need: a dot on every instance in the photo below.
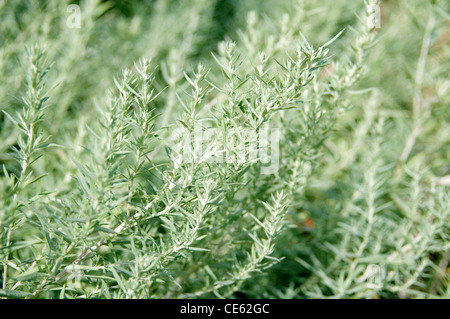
(417, 104)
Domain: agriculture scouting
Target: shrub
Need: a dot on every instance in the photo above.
(305, 156)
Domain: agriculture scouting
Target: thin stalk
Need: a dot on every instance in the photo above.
(417, 104)
(15, 196)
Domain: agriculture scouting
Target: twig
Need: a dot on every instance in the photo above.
(417, 104)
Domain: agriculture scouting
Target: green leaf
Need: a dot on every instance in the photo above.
(8, 293)
(30, 274)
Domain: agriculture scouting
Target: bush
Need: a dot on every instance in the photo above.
(254, 149)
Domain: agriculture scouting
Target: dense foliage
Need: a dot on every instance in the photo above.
(229, 149)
